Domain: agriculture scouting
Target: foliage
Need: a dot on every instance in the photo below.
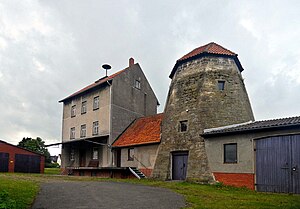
(52, 165)
(36, 145)
(5, 201)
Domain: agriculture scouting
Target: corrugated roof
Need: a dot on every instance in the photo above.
(95, 84)
(255, 125)
(208, 49)
(211, 48)
(142, 131)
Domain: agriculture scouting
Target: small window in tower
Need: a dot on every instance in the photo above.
(221, 85)
(183, 125)
(137, 84)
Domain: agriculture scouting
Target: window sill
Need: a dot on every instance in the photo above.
(96, 109)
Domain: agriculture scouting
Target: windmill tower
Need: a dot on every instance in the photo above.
(207, 91)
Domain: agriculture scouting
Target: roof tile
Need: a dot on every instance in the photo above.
(144, 130)
(255, 125)
(96, 83)
(211, 48)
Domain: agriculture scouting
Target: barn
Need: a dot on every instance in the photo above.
(260, 155)
(17, 159)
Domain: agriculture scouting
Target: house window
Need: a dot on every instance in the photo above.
(95, 153)
(95, 128)
(72, 133)
(83, 131)
(221, 85)
(72, 155)
(83, 107)
(137, 84)
(73, 111)
(130, 154)
(96, 103)
(230, 153)
(183, 125)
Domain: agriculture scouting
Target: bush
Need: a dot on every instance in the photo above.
(52, 165)
(6, 202)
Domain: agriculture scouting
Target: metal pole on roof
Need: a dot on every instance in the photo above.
(106, 67)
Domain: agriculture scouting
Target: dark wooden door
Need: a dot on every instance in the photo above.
(27, 163)
(4, 159)
(277, 164)
(82, 157)
(179, 165)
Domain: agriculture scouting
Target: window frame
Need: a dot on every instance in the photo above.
(96, 101)
(73, 111)
(72, 133)
(183, 126)
(130, 154)
(83, 131)
(83, 107)
(95, 127)
(221, 85)
(72, 154)
(137, 84)
(226, 153)
(95, 149)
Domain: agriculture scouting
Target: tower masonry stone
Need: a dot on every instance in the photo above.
(206, 91)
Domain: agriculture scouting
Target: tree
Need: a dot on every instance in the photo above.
(36, 145)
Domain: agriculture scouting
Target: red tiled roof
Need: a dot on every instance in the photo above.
(96, 83)
(211, 48)
(144, 130)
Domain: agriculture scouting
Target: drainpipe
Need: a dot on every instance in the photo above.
(110, 124)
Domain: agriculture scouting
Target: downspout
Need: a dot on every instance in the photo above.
(110, 124)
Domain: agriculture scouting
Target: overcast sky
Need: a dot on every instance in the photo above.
(50, 49)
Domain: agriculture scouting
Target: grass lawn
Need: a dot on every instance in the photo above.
(24, 187)
(52, 171)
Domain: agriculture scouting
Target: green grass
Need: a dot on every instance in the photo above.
(23, 188)
(21, 192)
(52, 171)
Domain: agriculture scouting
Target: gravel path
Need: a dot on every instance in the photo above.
(108, 195)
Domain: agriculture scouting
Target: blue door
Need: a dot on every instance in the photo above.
(277, 164)
(179, 165)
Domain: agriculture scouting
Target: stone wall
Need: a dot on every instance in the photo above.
(194, 96)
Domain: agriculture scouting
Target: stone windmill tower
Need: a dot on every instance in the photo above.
(207, 91)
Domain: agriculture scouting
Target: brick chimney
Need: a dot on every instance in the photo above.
(131, 61)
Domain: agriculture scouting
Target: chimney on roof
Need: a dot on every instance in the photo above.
(131, 61)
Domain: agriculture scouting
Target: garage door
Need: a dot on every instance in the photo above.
(278, 164)
(4, 158)
(27, 163)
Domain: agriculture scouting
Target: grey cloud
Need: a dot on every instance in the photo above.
(49, 49)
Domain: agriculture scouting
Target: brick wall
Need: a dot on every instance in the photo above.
(236, 179)
(146, 171)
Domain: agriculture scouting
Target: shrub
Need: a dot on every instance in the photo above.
(6, 202)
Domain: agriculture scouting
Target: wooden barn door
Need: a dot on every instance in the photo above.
(179, 165)
(277, 164)
(27, 163)
(4, 159)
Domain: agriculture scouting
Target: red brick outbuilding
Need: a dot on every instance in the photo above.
(17, 159)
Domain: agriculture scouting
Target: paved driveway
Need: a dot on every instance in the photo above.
(108, 195)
